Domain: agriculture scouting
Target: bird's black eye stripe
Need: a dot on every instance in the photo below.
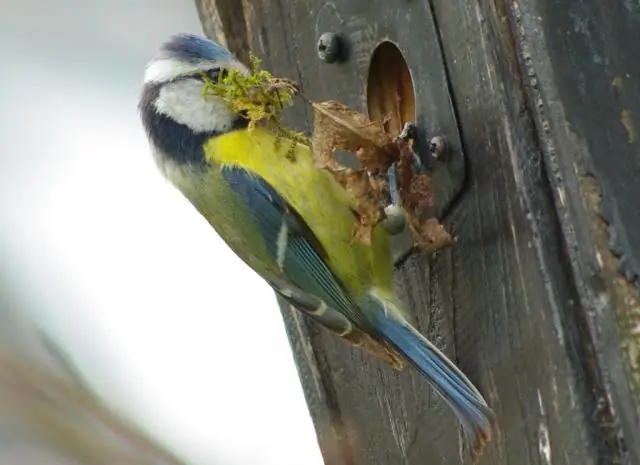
(215, 74)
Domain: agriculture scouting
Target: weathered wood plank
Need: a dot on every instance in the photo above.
(528, 297)
(378, 401)
(225, 21)
(518, 274)
(580, 59)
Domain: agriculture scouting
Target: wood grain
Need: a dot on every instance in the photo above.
(583, 83)
(537, 300)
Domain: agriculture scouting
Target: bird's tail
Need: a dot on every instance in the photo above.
(462, 396)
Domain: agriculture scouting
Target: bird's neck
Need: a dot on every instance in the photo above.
(179, 142)
(176, 140)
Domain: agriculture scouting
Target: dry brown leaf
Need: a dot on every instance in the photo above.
(416, 195)
(368, 201)
(337, 127)
(430, 235)
(414, 189)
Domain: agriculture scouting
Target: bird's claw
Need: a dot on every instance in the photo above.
(408, 131)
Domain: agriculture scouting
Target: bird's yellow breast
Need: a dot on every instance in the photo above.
(314, 194)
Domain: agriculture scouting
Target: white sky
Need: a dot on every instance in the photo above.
(166, 323)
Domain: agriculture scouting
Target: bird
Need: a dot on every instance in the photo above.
(290, 221)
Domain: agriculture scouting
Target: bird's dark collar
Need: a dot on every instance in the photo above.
(175, 140)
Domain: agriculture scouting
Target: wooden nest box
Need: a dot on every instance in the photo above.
(538, 301)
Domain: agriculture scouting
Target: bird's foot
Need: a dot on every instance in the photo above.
(446, 169)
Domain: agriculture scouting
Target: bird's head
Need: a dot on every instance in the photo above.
(174, 111)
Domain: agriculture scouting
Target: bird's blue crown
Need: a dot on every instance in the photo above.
(193, 48)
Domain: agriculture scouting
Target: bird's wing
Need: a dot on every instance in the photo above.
(306, 280)
(336, 322)
(294, 248)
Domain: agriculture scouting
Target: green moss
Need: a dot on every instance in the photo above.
(258, 96)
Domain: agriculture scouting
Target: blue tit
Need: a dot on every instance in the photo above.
(291, 222)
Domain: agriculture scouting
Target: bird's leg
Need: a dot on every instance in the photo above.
(446, 169)
(394, 194)
(408, 133)
(396, 220)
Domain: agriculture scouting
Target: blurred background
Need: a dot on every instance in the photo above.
(159, 318)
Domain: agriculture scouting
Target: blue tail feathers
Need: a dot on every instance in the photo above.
(464, 399)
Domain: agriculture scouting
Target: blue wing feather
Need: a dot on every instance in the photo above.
(304, 261)
(464, 399)
(305, 267)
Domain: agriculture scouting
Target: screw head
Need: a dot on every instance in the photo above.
(437, 146)
(329, 47)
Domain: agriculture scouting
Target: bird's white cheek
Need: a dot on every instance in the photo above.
(184, 103)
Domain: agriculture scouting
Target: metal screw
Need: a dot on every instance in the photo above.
(329, 47)
(437, 146)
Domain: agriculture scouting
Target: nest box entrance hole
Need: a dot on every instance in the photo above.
(390, 93)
